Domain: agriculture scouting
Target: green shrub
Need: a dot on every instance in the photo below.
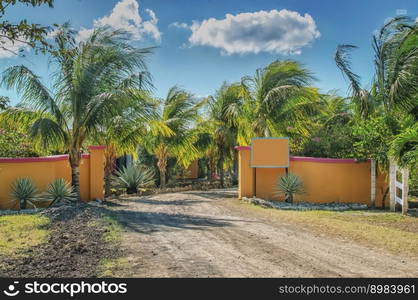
(24, 191)
(289, 185)
(59, 191)
(132, 178)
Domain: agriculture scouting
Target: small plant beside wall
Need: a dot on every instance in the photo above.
(60, 191)
(24, 192)
(133, 178)
(289, 185)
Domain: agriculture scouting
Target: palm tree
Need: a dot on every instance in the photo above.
(122, 134)
(225, 112)
(279, 100)
(172, 135)
(93, 83)
(394, 92)
(394, 84)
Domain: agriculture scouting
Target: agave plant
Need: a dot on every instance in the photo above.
(59, 191)
(24, 191)
(289, 185)
(133, 177)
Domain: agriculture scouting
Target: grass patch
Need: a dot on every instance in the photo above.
(389, 231)
(110, 267)
(114, 229)
(20, 232)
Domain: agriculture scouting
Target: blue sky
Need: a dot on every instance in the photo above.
(199, 47)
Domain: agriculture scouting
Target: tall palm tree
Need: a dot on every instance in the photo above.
(394, 84)
(172, 135)
(279, 99)
(225, 112)
(124, 133)
(93, 83)
(394, 92)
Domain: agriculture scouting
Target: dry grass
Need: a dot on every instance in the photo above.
(20, 232)
(378, 229)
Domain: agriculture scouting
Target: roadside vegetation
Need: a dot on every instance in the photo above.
(21, 232)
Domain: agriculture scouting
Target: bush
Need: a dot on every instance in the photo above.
(132, 178)
(59, 191)
(289, 185)
(24, 191)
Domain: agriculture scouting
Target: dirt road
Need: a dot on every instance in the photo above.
(200, 234)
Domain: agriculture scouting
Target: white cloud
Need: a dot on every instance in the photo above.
(125, 15)
(180, 25)
(284, 32)
(401, 12)
(10, 49)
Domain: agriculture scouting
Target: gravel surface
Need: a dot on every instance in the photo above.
(204, 234)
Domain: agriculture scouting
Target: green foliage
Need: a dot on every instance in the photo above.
(17, 144)
(390, 106)
(279, 101)
(24, 191)
(171, 132)
(94, 82)
(4, 102)
(373, 138)
(405, 147)
(59, 191)
(289, 185)
(30, 34)
(332, 133)
(133, 178)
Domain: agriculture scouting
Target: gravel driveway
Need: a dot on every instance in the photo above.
(201, 234)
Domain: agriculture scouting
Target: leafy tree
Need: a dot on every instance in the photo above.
(30, 34)
(4, 102)
(14, 143)
(331, 133)
(172, 135)
(390, 105)
(93, 83)
(122, 134)
(225, 111)
(279, 101)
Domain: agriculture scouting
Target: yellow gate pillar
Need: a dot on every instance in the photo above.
(246, 184)
(97, 161)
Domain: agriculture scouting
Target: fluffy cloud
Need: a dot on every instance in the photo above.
(284, 32)
(10, 49)
(125, 16)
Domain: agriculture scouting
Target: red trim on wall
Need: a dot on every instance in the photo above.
(97, 147)
(324, 160)
(239, 148)
(39, 159)
(33, 159)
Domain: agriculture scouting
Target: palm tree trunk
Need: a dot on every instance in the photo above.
(108, 183)
(110, 165)
(75, 172)
(235, 168)
(162, 156)
(209, 171)
(162, 179)
(221, 169)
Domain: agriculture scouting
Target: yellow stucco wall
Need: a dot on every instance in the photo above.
(245, 174)
(43, 170)
(324, 180)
